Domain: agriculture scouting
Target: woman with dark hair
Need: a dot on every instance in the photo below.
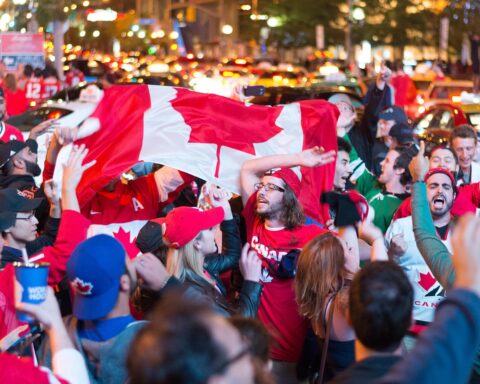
(15, 99)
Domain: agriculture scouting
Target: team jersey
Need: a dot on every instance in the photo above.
(33, 91)
(9, 132)
(278, 310)
(73, 79)
(50, 86)
(140, 199)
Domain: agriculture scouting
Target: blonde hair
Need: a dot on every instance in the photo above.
(320, 272)
(184, 261)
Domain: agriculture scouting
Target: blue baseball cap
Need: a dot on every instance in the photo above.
(94, 270)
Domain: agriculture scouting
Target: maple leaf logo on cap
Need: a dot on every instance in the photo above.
(82, 287)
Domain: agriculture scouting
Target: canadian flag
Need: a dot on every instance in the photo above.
(205, 135)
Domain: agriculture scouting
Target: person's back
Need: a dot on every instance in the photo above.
(380, 309)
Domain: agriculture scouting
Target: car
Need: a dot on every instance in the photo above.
(287, 95)
(444, 91)
(276, 77)
(435, 125)
(341, 81)
(92, 69)
(166, 79)
(221, 81)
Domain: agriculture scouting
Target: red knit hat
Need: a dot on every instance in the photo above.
(289, 177)
(445, 172)
(183, 224)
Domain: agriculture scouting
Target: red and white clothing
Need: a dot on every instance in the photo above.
(74, 78)
(278, 309)
(427, 291)
(33, 90)
(50, 86)
(9, 132)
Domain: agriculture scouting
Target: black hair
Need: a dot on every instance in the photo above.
(343, 145)
(380, 305)
(406, 154)
(177, 346)
(28, 70)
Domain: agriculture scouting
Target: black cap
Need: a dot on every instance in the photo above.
(7, 220)
(13, 200)
(394, 113)
(149, 237)
(403, 133)
(11, 148)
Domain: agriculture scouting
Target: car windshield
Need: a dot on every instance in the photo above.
(447, 92)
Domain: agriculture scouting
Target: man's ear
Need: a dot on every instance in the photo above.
(17, 162)
(399, 171)
(125, 283)
(196, 244)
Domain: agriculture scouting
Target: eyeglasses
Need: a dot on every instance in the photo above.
(221, 367)
(29, 217)
(268, 187)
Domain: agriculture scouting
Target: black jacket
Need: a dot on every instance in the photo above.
(362, 135)
(198, 288)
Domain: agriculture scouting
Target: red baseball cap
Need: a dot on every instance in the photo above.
(289, 177)
(446, 172)
(183, 224)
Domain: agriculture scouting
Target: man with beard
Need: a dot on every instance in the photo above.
(441, 192)
(276, 231)
(387, 193)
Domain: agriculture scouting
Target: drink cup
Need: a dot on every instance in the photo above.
(32, 285)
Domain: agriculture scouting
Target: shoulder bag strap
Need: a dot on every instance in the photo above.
(326, 340)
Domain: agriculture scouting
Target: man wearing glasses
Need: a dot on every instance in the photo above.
(275, 230)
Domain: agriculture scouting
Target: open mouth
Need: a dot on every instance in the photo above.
(439, 202)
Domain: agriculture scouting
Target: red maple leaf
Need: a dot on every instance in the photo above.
(426, 280)
(224, 122)
(124, 238)
(82, 287)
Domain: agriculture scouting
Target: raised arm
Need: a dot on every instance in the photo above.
(253, 170)
(433, 250)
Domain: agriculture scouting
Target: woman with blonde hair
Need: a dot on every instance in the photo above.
(192, 255)
(325, 269)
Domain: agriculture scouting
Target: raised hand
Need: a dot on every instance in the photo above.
(418, 166)
(250, 264)
(151, 270)
(218, 197)
(41, 128)
(315, 157)
(74, 168)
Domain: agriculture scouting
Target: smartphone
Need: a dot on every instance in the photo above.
(254, 90)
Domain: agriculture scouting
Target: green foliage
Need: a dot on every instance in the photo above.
(49, 10)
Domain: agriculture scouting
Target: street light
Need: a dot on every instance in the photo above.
(227, 29)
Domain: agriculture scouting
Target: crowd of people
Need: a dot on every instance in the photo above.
(386, 289)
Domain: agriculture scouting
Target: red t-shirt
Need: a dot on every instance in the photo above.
(50, 86)
(33, 90)
(278, 309)
(16, 102)
(9, 132)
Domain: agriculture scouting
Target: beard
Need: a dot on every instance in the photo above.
(32, 168)
(439, 213)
